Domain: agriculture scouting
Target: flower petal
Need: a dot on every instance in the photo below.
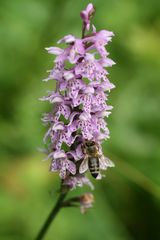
(54, 50)
(71, 167)
(67, 39)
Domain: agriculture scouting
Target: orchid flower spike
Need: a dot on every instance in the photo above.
(76, 124)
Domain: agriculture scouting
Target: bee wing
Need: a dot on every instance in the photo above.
(84, 165)
(105, 162)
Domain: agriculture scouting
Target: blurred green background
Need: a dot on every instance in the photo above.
(127, 202)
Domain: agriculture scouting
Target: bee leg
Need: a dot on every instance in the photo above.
(99, 155)
(99, 177)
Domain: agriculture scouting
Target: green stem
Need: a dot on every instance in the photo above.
(51, 216)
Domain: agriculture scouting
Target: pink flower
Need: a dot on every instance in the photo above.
(79, 103)
(87, 14)
(99, 40)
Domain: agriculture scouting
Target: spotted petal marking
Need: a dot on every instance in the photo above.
(71, 167)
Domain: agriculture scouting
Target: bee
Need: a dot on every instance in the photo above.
(94, 159)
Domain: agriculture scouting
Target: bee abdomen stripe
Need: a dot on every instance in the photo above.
(94, 168)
